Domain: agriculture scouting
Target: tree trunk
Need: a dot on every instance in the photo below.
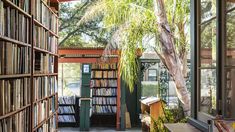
(171, 59)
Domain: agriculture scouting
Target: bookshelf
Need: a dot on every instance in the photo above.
(104, 94)
(68, 112)
(28, 65)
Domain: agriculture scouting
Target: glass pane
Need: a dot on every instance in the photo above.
(230, 59)
(208, 44)
(69, 79)
(230, 93)
(208, 91)
(208, 9)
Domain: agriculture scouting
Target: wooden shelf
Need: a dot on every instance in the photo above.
(17, 8)
(45, 51)
(41, 25)
(45, 74)
(26, 75)
(14, 41)
(14, 76)
(49, 8)
(44, 121)
(68, 124)
(25, 10)
(14, 112)
(44, 98)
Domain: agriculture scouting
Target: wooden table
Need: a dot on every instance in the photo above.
(181, 127)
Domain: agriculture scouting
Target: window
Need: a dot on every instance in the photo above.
(229, 100)
(207, 60)
(152, 75)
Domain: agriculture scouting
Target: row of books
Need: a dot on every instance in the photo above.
(98, 109)
(44, 86)
(13, 24)
(52, 105)
(49, 126)
(44, 40)
(14, 59)
(104, 74)
(103, 83)
(23, 4)
(104, 100)
(66, 109)
(40, 112)
(19, 122)
(14, 94)
(66, 100)
(44, 63)
(104, 92)
(104, 66)
(66, 118)
(43, 110)
(45, 16)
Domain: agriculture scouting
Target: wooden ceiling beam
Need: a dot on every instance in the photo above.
(86, 60)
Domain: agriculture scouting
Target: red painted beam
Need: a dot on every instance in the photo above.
(83, 52)
(86, 60)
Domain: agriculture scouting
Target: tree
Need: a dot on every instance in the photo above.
(135, 20)
(87, 34)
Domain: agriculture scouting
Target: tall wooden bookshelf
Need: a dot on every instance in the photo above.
(28, 65)
(104, 94)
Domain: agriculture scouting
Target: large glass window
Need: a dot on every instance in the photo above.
(207, 60)
(230, 61)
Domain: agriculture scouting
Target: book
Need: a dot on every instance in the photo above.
(13, 24)
(99, 109)
(66, 118)
(18, 59)
(17, 123)
(104, 92)
(42, 13)
(44, 86)
(23, 4)
(44, 63)
(66, 110)
(18, 55)
(67, 100)
(15, 93)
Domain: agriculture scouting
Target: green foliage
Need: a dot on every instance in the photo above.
(130, 22)
(89, 34)
(149, 90)
(170, 116)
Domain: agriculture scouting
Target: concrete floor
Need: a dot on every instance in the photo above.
(96, 129)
